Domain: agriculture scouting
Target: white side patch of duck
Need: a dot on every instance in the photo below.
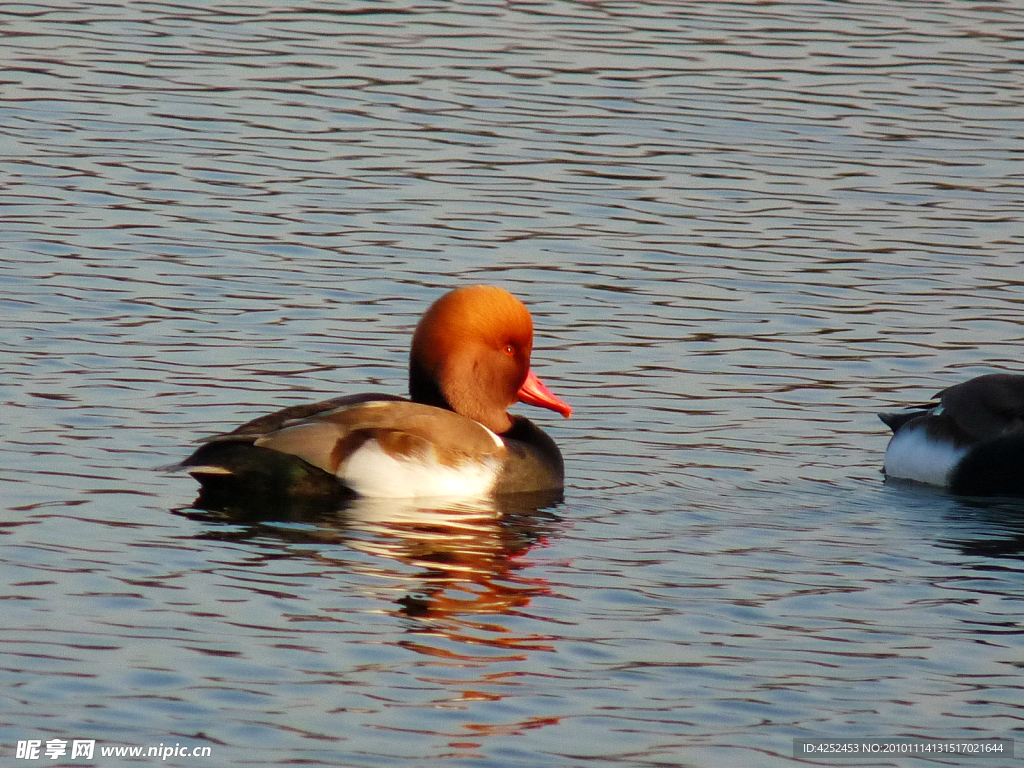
(912, 455)
(370, 471)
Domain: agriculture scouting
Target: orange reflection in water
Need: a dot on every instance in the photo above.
(472, 563)
(464, 567)
(471, 556)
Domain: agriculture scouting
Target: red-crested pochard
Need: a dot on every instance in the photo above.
(970, 440)
(469, 361)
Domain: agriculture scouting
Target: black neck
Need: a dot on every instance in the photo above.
(424, 389)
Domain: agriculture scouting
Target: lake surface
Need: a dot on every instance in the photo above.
(742, 228)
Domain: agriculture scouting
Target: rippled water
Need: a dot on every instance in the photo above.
(742, 229)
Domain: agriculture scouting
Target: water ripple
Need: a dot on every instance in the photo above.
(742, 229)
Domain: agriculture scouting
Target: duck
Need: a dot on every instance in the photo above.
(969, 439)
(453, 437)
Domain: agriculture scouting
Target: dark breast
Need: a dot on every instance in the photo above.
(534, 462)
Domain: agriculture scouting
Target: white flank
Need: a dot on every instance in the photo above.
(369, 471)
(913, 456)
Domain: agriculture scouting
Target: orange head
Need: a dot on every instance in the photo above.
(471, 353)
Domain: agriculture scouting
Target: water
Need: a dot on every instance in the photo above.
(742, 229)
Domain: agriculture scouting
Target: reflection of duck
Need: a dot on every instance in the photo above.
(469, 361)
(466, 554)
(971, 440)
